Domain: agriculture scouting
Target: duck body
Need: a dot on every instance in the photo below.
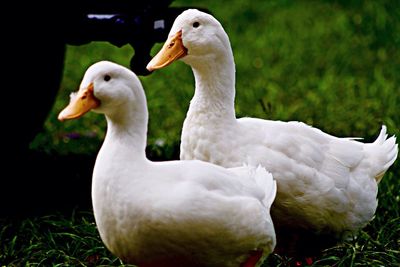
(327, 186)
(325, 183)
(175, 213)
(176, 219)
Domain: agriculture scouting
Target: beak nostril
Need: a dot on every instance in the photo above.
(173, 49)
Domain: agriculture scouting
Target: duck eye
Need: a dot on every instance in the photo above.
(196, 24)
(107, 78)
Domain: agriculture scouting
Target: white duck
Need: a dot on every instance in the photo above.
(173, 213)
(326, 185)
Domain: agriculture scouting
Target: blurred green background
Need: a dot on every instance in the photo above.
(332, 64)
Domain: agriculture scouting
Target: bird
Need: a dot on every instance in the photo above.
(327, 185)
(167, 213)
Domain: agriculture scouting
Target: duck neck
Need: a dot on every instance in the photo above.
(127, 133)
(215, 86)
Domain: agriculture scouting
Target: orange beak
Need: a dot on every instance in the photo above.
(82, 103)
(173, 49)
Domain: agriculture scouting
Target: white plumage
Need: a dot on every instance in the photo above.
(326, 185)
(175, 213)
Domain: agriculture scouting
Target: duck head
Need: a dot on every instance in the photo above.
(105, 88)
(195, 37)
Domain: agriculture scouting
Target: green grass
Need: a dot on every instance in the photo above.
(332, 64)
(54, 240)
